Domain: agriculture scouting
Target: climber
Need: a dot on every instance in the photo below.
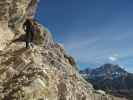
(29, 30)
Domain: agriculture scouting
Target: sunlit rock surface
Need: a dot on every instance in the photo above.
(12, 15)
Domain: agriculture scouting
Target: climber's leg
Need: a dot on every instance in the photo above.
(31, 39)
(27, 44)
(27, 39)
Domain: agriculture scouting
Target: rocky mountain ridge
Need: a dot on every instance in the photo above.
(45, 72)
(105, 76)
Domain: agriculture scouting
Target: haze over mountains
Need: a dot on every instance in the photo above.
(111, 78)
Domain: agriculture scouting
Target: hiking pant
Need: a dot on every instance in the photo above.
(29, 38)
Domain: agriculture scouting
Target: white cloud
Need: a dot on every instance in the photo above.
(112, 58)
(115, 57)
(98, 49)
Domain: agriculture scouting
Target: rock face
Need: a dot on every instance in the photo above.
(12, 15)
(45, 72)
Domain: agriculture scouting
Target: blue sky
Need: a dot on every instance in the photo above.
(94, 32)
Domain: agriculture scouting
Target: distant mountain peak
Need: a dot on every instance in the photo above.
(110, 66)
(108, 69)
(111, 78)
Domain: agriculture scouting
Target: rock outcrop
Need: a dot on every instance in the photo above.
(45, 72)
(12, 15)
